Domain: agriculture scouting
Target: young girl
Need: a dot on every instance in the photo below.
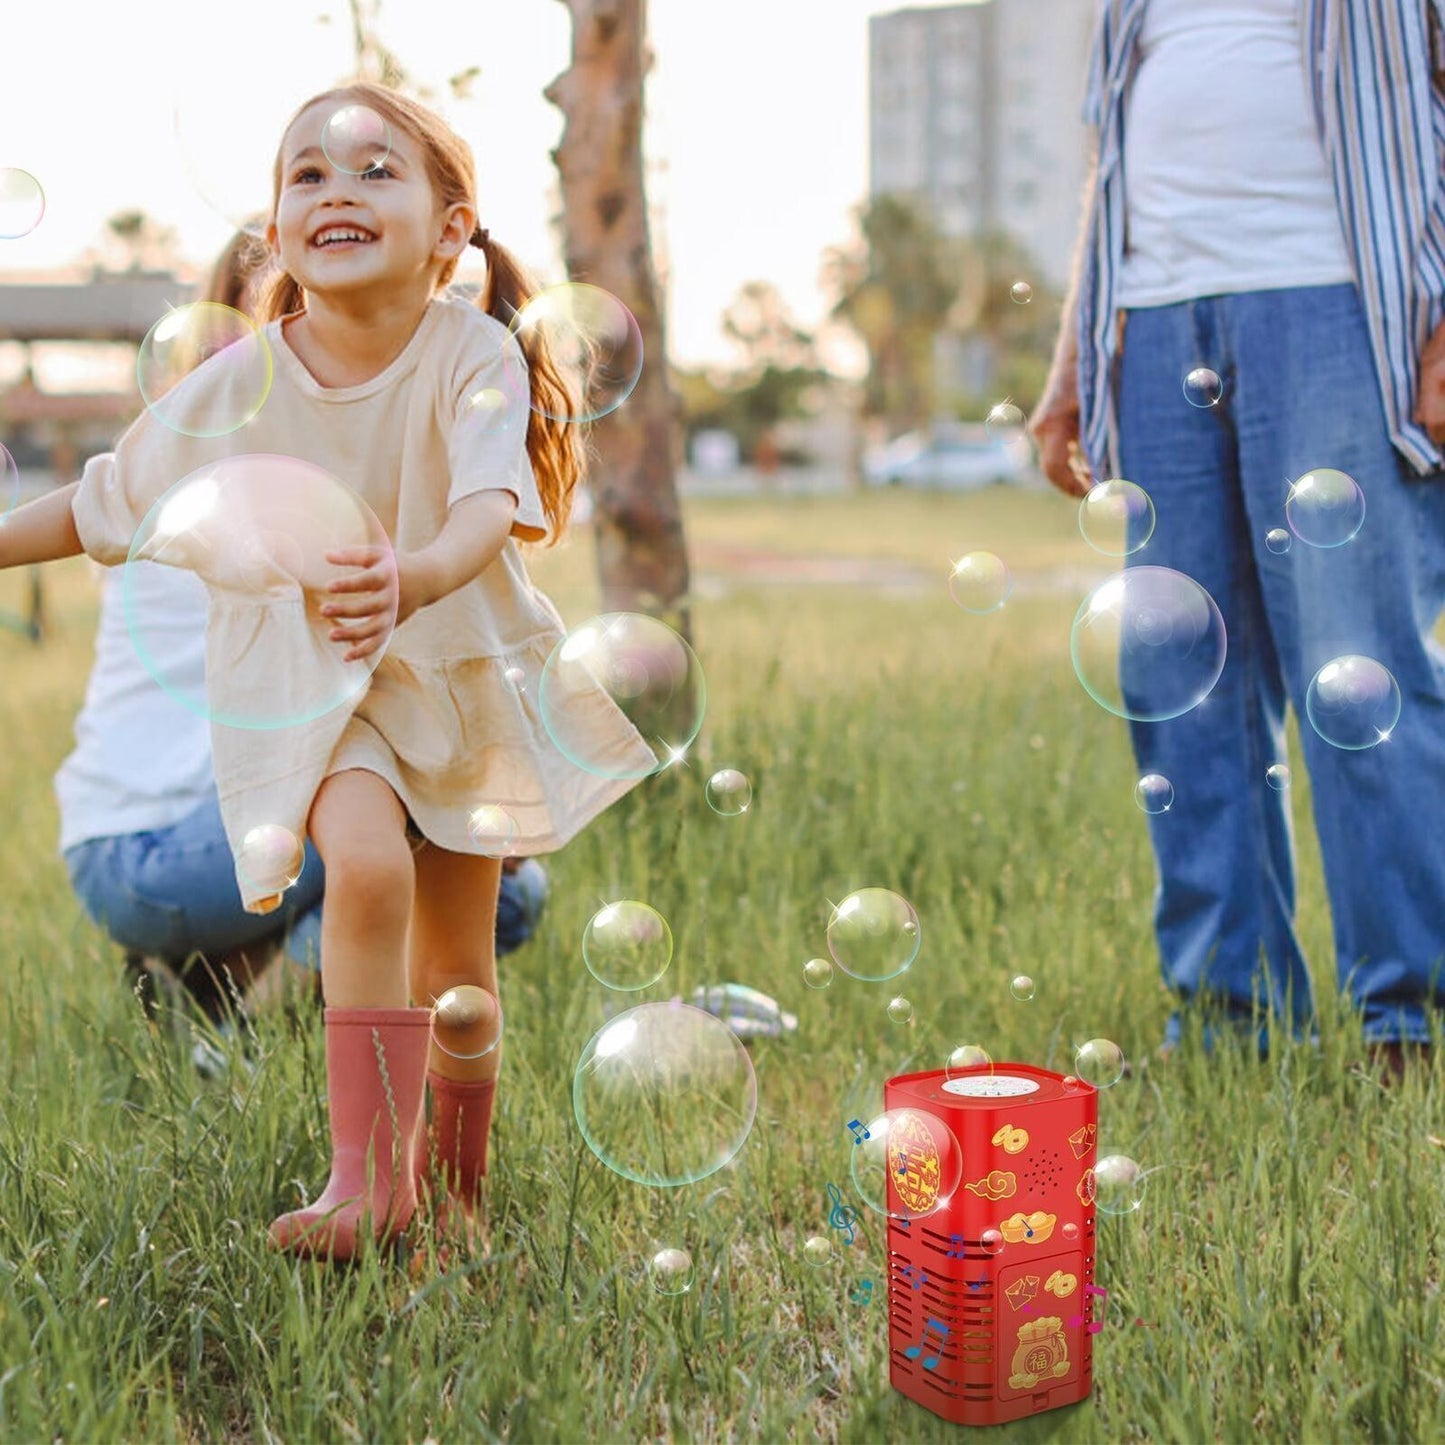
(404, 395)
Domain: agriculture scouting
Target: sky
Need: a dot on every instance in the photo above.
(756, 136)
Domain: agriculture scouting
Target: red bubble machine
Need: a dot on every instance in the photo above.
(989, 1293)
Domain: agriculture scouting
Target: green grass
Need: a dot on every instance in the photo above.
(1286, 1249)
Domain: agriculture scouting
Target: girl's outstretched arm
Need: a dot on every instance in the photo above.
(40, 531)
(469, 542)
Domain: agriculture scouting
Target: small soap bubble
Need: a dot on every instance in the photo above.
(1070, 1082)
(1154, 793)
(1277, 775)
(517, 678)
(493, 830)
(204, 369)
(818, 1249)
(1070, 1230)
(1325, 508)
(1353, 702)
(670, 1271)
(991, 1241)
(1100, 1062)
(1202, 387)
(356, 139)
(1022, 987)
(466, 1021)
(22, 203)
(270, 858)
(1021, 292)
(817, 973)
(627, 945)
(729, 793)
(966, 1057)
(1116, 517)
(1148, 644)
(1005, 423)
(909, 1166)
(873, 934)
(1118, 1184)
(595, 344)
(900, 1010)
(1277, 540)
(980, 582)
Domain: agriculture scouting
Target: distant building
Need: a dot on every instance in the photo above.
(975, 110)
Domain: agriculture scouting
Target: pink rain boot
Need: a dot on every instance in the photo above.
(460, 1123)
(373, 1111)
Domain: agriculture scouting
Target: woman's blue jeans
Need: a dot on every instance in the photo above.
(1300, 393)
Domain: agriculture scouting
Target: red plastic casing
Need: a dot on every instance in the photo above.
(1009, 1332)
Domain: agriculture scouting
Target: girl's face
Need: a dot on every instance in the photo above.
(398, 234)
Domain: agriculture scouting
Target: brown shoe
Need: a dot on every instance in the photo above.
(1396, 1056)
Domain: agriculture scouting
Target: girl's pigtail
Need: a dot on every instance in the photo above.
(554, 447)
(280, 295)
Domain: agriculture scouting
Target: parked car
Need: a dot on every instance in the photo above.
(955, 460)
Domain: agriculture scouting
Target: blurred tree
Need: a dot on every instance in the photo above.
(375, 61)
(895, 287)
(134, 241)
(641, 555)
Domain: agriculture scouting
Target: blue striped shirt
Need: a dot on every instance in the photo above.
(1381, 121)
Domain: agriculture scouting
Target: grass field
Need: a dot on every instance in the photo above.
(1286, 1251)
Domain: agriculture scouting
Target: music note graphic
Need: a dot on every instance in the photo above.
(841, 1216)
(975, 1284)
(858, 1131)
(907, 1272)
(903, 1223)
(913, 1351)
(955, 1250)
(865, 1290)
(1096, 1325)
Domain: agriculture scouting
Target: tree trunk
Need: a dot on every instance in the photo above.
(641, 555)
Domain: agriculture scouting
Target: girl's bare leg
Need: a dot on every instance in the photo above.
(359, 828)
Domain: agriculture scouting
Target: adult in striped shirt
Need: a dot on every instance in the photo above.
(1258, 296)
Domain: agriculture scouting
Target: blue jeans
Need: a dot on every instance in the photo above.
(1300, 393)
(172, 892)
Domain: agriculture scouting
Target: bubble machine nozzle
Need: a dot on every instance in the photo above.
(989, 1291)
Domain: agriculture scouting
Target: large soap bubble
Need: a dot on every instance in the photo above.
(873, 934)
(648, 671)
(594, 342)
(1353, 702)
(237, 381)
(258, 530)
(907, 1164)
(665, 1094)
(1148, 643)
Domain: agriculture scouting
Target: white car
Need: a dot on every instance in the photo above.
(954, 460)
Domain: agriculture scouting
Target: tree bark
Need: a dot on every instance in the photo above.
(641, 553)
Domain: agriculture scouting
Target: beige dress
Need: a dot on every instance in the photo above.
(446, 718)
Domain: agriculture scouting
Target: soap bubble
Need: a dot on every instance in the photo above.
(1005, 423)
(258, 530)
(650, 674)
(627, 945)
(965, 1058)
(1203, 387)
(873, 934)
(817, 973)
(230, 390)
(1099, 1062)
(502, 407)
(1154, 793)
(991, 1241)
(355, 139)
(493, 830)
(1021, 292)
(1277, 540)
(729, 793)
(9, 482)
(466, 1021)
(670, 1271)
(517, 678)
(1070, 1229)
(980, 582)
(22, 203)
(594, 341)
(1148, 644)
(270, 858)
(1116, 517)
(909, 1166)
(665, 1094)
(1022, 987)
(1325, 508)
(1277, 775)
(1353, 702)
(900, 1010)
(818, 1250)
(1118, 1184)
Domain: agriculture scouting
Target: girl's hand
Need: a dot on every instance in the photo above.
(371, 602)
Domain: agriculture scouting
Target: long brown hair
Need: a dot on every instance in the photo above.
(554, 446)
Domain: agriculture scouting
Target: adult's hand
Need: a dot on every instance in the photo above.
(1054, 427)
(1430, 396)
